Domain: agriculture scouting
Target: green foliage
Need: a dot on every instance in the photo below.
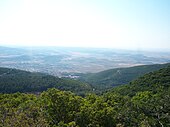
(143, 103)
(114, 77)
(157, 81)
(60, 106)
(13, 80)
(18, 110)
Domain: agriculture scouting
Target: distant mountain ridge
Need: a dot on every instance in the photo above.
(119, 76)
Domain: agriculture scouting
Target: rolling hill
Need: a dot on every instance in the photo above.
(14, 80)
(157, 81)
(115, 77)
(145, 102)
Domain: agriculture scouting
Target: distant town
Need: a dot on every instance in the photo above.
(66, 62)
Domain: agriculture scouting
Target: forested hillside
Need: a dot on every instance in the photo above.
(115, 77)
(145, 102)
(13, 80)
(157, 81)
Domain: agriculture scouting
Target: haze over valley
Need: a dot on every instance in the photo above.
(60, 61)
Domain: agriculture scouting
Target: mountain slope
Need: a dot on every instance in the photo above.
(13, 80)
(145, 102)
(118, 76)
(157, 81)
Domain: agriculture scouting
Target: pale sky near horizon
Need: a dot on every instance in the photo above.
(125, 24)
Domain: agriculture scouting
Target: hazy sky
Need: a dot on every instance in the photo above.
(129, 24)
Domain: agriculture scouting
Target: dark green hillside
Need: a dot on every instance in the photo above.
(118, 76)
(157, 81)
(144, 102)
(13, 80)
(147, 98)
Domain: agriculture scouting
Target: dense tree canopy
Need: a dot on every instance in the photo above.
(13, 80)
(144, 102)
(114, 77)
